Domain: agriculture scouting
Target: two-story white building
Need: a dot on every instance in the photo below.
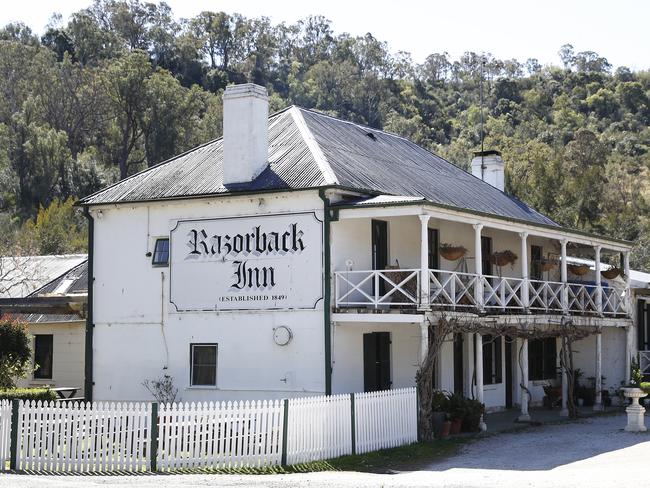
(303, 254)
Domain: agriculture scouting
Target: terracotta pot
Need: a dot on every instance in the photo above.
(445, 429)
(548, 265)
(456, 425)
(503, 258)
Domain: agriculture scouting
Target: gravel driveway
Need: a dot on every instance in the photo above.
(591, 453)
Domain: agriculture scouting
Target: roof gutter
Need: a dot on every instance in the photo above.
(88, 357)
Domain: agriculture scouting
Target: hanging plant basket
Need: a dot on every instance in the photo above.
(611, 273)
(503, 258)
(452, 253)
(578, 269)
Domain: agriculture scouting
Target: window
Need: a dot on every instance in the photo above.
(161, 252)
(43, 349)
(203, 363)
(492, 371)
(542, 359)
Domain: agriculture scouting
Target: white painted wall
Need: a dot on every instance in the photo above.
(68, 355)
(347, 374)
(138, 336)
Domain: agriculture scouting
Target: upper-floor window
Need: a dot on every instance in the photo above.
(161, 252)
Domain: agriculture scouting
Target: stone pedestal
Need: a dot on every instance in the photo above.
(635, 412)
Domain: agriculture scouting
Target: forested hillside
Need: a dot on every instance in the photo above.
(123, 85)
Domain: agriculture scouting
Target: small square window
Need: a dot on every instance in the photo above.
(161, 253)
(203, 362)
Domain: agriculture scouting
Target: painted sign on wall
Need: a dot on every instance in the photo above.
(247, 263)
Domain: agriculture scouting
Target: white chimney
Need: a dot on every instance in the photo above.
(245, 132)
(488, 166)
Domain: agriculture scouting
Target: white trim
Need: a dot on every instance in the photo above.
(383, 318)
(308, 137)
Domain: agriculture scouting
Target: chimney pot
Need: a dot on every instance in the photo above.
(245, 133)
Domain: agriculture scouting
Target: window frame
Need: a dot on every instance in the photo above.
(216, 362)
(543, 371)
(37, 366)
(160, 264)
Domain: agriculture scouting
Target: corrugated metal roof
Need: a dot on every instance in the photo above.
(22, 275)
(74, 281)
(308, 150)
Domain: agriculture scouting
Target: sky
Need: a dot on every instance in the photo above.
(521, 29)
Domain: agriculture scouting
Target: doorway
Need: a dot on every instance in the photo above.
(376, 361)
(509, 362)
(380, 250)
(459, 382)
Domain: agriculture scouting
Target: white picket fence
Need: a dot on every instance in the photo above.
(385, 419)
(83, 437)
(5, 432)
(109, 437)
(319, 428)
(217, 435)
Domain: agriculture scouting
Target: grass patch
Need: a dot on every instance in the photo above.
(405, 458)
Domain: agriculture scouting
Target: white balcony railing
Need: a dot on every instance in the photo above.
(466, 291)
(377, 288)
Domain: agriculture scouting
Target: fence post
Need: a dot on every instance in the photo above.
(353, 425)
(13, 461)
(153, 441)
(285, 430)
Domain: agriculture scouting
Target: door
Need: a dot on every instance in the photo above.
(509, 352)
(486, 252)
(459, 383)
(380, 250)
(376, 361)
(536, 263)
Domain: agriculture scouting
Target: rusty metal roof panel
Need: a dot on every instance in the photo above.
(308, 150)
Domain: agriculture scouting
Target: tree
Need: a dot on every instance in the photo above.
(15, 353)
(125, 84)
(57, 229)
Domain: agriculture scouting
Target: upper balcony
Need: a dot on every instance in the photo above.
(457, 291)
(393, 260)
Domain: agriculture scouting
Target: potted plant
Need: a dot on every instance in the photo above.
(473, 411)
(456, 410)
(446, 428)
(440, 408)
(451, 252)
(635, 412)
(503, 258)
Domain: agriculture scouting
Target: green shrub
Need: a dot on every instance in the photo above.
(645, 386)
(44, 394)
(15, 354)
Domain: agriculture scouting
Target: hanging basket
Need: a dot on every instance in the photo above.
(503, 258)
(611, 273)
(452, 253)
(578, 269)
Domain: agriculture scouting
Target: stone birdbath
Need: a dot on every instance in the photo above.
(635, 412)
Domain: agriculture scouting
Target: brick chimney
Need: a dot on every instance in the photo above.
(488, 166)
(245, 133)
